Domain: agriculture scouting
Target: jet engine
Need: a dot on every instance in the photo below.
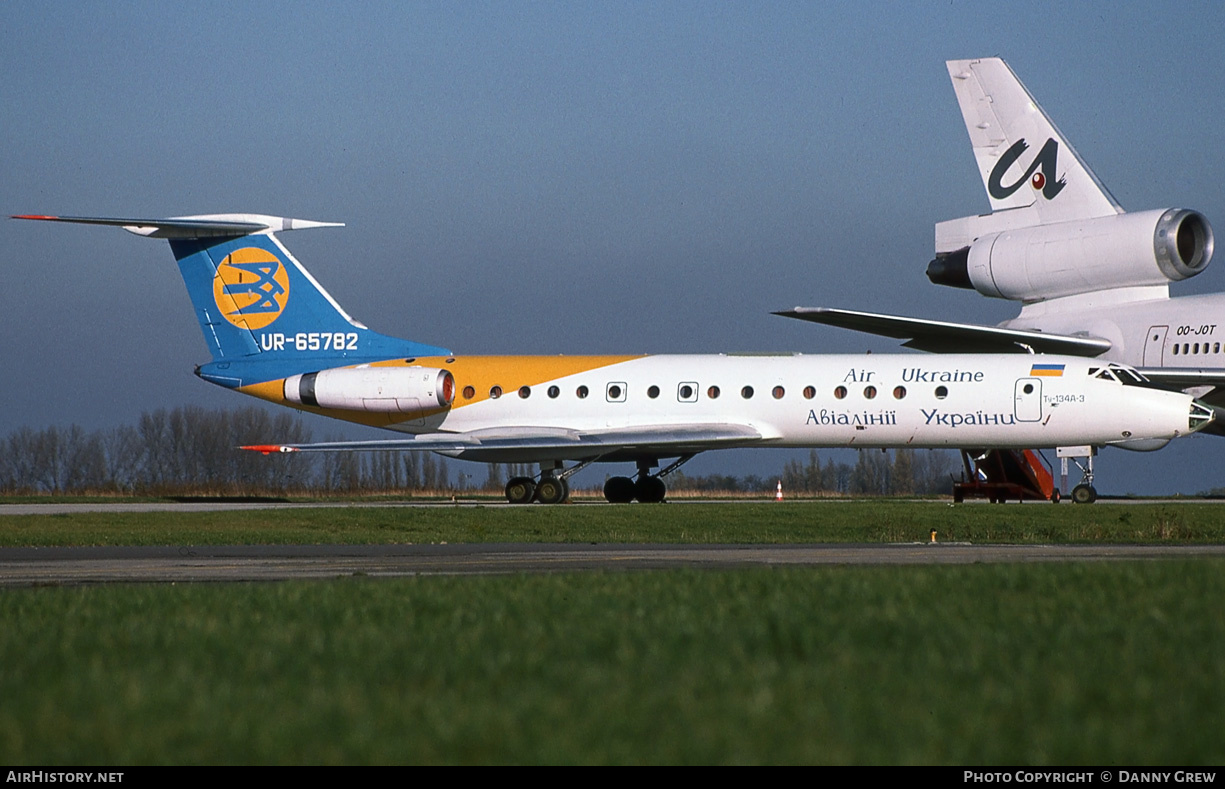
(378, 389)
(1066, 258)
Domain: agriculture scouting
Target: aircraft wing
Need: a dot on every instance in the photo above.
(509, 445)
(1183, 377)
(947, 337)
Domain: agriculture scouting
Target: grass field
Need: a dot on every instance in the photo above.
(1115, 663)
(815, 521)
(1033, 664)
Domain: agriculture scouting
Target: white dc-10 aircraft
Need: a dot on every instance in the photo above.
(1092, 279)
(276, 334)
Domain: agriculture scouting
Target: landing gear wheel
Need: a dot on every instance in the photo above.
(650, 490)
(520, 490)
(552, 490)
(1084, 494)
(1055, 496)
(619, 490)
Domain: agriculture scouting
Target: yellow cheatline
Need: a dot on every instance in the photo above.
(482, 373)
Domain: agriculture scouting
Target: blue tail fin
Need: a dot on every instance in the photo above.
(263, 315)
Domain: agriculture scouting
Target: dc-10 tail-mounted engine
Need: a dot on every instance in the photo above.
(1081, 256)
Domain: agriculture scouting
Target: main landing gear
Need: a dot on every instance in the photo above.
(648, 488)
(550, 487)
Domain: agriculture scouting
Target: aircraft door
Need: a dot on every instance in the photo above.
(1154, 346)
(1027, 398)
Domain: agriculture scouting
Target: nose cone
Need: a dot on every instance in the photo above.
(1157, 417)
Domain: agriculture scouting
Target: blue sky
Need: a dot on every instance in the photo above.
(555, 177)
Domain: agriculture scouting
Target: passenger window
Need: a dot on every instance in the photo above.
(942, 392)
(581, 392)
(899, 392)
(525, 392)
(653, 392)
(810, 392)
(469, 392)
(778, 392)
(554, 392)
(840, 392)
(687, 392)
(713, 393)
(495, 392)
(746, 392)
(869, 392)
(615, 392)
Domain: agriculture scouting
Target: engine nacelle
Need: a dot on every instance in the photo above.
(1063, 259)
(384, 390)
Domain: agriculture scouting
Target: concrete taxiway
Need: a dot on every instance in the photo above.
(90, 565)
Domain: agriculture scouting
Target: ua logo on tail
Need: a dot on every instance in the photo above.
(251, 288)
(1041, 171)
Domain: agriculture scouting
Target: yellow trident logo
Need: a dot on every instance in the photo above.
(251, 288)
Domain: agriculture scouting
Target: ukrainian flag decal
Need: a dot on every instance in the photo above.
(1047, 370)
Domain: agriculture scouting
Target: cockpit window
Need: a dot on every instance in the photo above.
(1118, 372)
(1128, 375)
(1106, 374)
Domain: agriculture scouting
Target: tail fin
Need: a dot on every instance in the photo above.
(255, 301)
(1032, 175)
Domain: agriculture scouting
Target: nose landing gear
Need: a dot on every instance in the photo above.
(1083, 493)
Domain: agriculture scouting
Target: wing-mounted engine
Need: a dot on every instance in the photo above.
(1081, 256)
(384, 390)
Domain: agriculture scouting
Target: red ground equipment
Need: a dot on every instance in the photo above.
(1005, 474)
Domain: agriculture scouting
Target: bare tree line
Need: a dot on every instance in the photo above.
(194, 451)
(904, 472)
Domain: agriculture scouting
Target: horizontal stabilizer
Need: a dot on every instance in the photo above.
(187, 227)
(946, 337)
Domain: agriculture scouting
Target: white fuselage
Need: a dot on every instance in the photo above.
(1180, 332)
(823, 401)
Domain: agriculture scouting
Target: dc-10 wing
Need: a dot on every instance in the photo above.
(948, 337)
(1183, 377)
(524, 444)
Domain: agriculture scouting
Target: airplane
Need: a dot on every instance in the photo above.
(276, 334)
(1092, 279)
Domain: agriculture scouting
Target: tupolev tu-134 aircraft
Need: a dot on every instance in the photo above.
(276, 334)
(1092, 279)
